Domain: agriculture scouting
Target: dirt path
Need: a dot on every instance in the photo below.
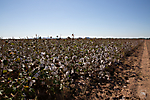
(143, 88)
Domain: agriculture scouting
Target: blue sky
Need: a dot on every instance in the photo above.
(95, 18)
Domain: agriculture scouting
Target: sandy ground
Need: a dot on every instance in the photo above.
(139, 86)
(144, 85)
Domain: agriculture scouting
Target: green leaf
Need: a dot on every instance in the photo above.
(4, 71)
(85, 70)
(77, 70)
(9, 78)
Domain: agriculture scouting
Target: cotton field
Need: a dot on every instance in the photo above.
(37, 68)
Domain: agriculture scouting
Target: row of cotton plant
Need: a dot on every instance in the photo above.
(28, 65)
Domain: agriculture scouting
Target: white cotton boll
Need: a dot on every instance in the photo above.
(67, 73)
(31, 82)
(85, 63)
(102, 61)
(38, 71)
(72, 71)
(104, 66)
(66, 63)
(72, 80)
(86, 57)
(92, 61)
(10, 70)
(109, 63)
(68, 48)
(100, 73)
(54, 73)
(74, 57)
(29, 78)
(50, 68)
(101, 67)
(80, 69)
(41, 61)
(81, 60)
(53, 67)
(96, 46)
(53, 60)
(46, 68)
(66, 57)
(59, 63)
(29, 66)
(109, 58)
(12, 49)
(93, 50)
(47, 56)
(43, 58)
(81, 77)
(61, 86)
(85, 66)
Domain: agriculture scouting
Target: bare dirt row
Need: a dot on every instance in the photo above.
(139, 84)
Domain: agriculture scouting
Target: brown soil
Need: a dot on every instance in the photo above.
(144, 85)
(139, 85)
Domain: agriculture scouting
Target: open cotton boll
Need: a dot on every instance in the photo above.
(109, 63)
(67, 73)
(81, 60)
(66, 57)
(72, 71)
(61, 86)
(29, 78)
(102, 67)
(53, 67)
(54, 73)
(46, 68)
(43, 53)
(74, 57)
(47, 56)
(10, 70)
(59, 63)
(31, 82)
